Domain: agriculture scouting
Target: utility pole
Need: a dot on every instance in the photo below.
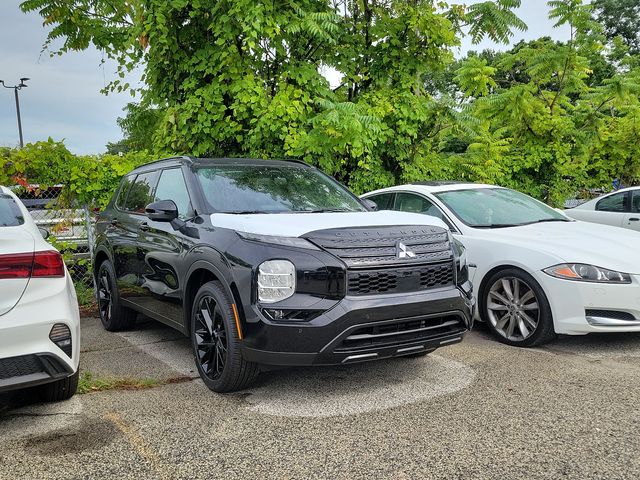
(20, 86)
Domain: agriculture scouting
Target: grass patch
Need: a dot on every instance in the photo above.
(88, 383)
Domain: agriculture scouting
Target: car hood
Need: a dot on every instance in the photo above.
(297, 224)
(577, 242)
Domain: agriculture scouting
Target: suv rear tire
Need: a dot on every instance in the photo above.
(113, 315)
(216, 342)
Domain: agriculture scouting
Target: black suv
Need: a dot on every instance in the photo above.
(265, 262)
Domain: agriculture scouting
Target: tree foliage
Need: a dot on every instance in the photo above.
(245, 78)
(88, 179)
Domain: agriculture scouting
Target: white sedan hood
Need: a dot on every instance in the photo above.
(297, 224)
(578, 242)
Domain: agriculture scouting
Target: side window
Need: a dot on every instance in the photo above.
(635, 206)
(124, 189)
(172, 187)
(618, 202)
(384, 201)
(409, 202)
(141, 192)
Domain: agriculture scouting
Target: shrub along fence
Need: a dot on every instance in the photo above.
(62, 192)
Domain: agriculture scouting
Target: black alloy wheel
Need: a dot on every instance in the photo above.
(113, 315)
(210, 337)
(216, 339)
(104, 296)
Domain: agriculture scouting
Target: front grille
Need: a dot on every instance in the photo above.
(20, 366)
(399, 280)
(612, 314)
(367, 247)
(401, 332)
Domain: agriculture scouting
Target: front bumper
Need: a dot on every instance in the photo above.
(27, 356)
(363, 328)
(579, 308)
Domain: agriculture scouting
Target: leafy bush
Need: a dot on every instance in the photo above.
(88, 179)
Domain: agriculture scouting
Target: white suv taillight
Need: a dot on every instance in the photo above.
(47, 264)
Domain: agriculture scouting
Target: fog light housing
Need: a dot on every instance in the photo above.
(61, 335)
(276, 280)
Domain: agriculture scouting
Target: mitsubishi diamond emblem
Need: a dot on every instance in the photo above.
(403, 252)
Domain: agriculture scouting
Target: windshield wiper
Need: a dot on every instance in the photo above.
(498, 225)
(550, 220)
(245, 212)
(325, 210)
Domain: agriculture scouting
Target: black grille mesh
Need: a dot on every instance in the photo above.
(19, 366)
(612, 314)
(401, 280)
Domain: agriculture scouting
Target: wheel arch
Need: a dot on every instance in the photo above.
(100, 256)
(199, 273)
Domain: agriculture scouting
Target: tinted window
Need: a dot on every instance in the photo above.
(124, 189)
(273, 189)
(409, 202)
(171, 186)
(635, 207)
(618, 202)
(497, 207)
(384, 201)
(10, 213)
(141, 192)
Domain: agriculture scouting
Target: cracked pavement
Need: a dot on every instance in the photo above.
(477, 410)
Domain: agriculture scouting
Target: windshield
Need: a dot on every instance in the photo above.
(10, 213)
(497, 207)
(273, 189)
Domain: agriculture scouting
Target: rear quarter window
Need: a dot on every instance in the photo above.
(10, 213)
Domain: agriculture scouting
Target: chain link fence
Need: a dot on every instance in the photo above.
(70, 228)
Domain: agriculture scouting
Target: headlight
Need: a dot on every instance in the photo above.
(587, 273)
(274, 239)
(276, 280)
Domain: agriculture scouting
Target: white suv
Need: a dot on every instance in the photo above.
(39, 318)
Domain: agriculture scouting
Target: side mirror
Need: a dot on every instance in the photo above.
(162, 211)
(370, 204)
(44, 232)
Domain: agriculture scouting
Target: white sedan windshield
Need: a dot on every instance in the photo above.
(497, 207)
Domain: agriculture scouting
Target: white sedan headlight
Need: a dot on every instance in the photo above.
(276, 280)
(587, 273)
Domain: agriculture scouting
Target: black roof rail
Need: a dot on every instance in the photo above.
(177, 157)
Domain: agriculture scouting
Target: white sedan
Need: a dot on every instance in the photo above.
(620, 209)
(39, 318)
(536, 272)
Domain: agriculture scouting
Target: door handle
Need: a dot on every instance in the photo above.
(634, 219)
(144, 226)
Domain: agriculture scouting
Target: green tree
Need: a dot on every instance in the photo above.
(620, 18)
(550, 125)
(243, 77)
(139, 125)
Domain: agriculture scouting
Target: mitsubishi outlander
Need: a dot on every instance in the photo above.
(268, 263)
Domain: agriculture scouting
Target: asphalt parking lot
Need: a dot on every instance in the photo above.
(477, 410)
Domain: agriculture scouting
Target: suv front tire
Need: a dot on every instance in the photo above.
(216, 342)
